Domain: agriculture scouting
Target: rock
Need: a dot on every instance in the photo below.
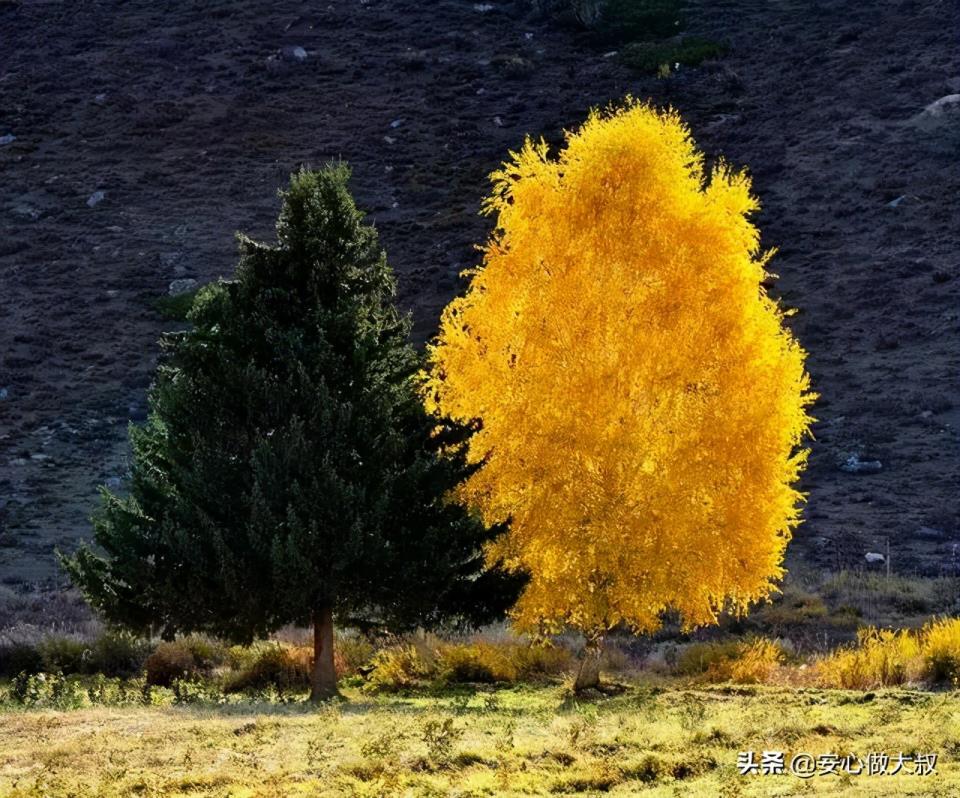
(854, 465)
(96, 198)
(294, 54)
(929, 533)
(939, 112)
(874, 557)
(413, 60)
(8, 138)
(181, 286)
(939, 123)
(25, 211)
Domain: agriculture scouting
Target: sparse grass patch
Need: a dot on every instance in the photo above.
(662, 57)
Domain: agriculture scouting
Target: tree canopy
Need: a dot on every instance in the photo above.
(288, 471)
(641, 403)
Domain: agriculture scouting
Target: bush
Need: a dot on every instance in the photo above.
(65, 654)
(18, 658)
(467, 663)
(192, 657)
(698, 658)
(117, 654)
(400, 667)
(881, 658)
(282, 667)
(51, 690)
(742, 661)
(168, 662)
(352, 653)
(628, 20)
(941, 650)
(652, 57)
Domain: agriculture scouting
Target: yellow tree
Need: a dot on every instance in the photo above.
(640, 403)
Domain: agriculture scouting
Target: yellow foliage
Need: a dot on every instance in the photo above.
(641, 403)
(941, 650)
(752, 661)
(881, 658)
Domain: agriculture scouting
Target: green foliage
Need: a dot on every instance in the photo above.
(628, 20)
(195, 691)
(287, 464)
(176, 307)
(116, 653)
(663, 56)
(441, 736)
(112, 653)
(47, 690)
(64, 654)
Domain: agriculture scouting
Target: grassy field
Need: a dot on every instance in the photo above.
(653, 739)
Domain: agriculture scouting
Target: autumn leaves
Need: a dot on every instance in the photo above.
(620, 275)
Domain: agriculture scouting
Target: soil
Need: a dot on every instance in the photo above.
(189, 120)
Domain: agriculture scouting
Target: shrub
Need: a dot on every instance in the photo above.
(881, 658)
(18, 658)
(400, 667)
(756, 663)
(466, 663)
(170, 661)
(279, 666)
(65, 654)
(351, 654)
(941, 650)
(117, 653)
(650, 57)
(628, 20)
(485, 661)
(741, 661)
(195, 691)
(47, 690)
(698, 658)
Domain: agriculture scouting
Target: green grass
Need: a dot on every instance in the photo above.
(653, 57)
(652, 740)
(620, 21)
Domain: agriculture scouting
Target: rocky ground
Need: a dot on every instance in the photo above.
(135, 139)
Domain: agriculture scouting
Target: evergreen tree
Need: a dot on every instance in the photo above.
(287, 471)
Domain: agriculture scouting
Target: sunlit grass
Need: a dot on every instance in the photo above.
(652, 739)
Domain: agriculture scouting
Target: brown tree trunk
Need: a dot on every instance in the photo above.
(588, 675)
(323, 679)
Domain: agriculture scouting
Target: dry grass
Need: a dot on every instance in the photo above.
(650, 740)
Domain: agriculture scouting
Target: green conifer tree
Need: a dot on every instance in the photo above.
(287, 471)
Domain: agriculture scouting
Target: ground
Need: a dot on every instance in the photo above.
(188, 120)
(651, 740)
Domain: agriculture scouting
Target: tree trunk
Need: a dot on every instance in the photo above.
(588, 676)
(323, 680)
